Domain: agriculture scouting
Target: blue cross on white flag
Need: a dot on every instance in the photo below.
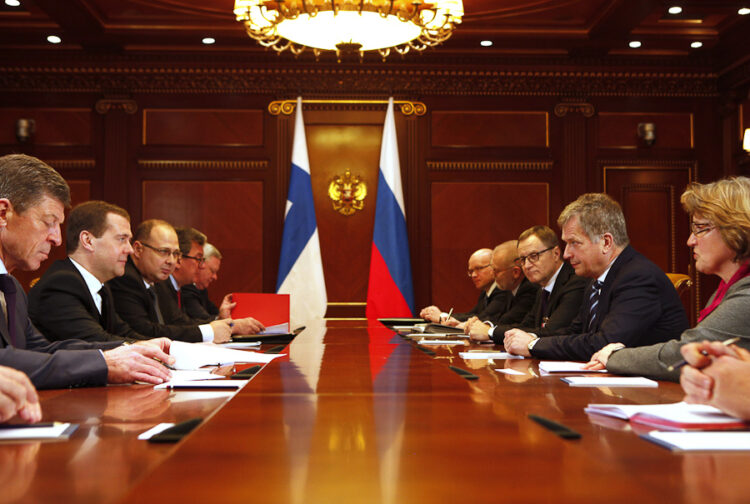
(300, 265)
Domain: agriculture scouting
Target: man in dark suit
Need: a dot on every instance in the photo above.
(491, 300)
(195, 300)
(33, 197)
(509, 278)
(628, 299)
(71, 300)
(559, 299)
(155, 252)
(186, 269)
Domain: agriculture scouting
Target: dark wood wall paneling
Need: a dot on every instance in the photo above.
(476, 170)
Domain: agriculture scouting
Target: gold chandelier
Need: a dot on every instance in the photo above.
(349, 25)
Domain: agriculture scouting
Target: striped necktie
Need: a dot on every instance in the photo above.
(596, 289)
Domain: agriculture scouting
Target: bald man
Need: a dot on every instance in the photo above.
(492, 300)
(509, 278)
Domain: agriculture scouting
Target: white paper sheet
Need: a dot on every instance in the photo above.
(276, 329)
(201, 384)
(197, 355)
(488, 355)
(441, 342)
(547, 367)
(609, 381)
(57, 431)
(702, 440)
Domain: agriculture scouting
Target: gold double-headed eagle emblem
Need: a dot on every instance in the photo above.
(347, 192)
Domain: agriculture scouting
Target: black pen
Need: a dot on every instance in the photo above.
(561, 430)
(730, 341)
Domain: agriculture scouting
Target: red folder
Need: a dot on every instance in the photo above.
(268, 309)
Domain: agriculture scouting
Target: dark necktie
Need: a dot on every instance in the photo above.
(179, 298)
(152, 293)
(543, 308)
(596, 288)
(105, 307)
(9, 290)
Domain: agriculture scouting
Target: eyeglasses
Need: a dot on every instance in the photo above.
(533, 257)
(699, 228)
(471, 271)
(201, 260)
(164, 252)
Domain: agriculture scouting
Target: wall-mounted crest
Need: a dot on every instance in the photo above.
(347, 192)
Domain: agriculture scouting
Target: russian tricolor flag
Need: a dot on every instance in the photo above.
(389, 291)
(300, 266)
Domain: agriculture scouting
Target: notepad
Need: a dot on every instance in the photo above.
(701, 441)
(488, 355)
(609, 381)
(547, 367)
(197, 355)
(673, 416)
(58, 431)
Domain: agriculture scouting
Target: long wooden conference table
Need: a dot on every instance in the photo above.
(354, 413)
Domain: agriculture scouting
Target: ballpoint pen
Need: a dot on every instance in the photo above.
(730, 341)
(449, 315)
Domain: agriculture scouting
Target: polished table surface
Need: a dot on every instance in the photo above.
(355, 413)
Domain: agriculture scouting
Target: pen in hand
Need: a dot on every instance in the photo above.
(730, 341)
(450, 312)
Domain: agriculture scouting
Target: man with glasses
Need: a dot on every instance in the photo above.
(186, 270)
(491, 299)
(509, 278)
(155, 253)
(558, 300)
(628, 299)
(195, 301)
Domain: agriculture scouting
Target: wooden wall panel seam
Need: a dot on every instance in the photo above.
(174, 164)
(489, 165)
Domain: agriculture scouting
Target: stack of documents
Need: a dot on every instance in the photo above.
(674, 416)
(196, 355)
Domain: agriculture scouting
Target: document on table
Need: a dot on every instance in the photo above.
(194, 375)
(609, 381)
(426, 341)
(201, 384)
(701, 440)
(276, 329)
(488, 355)
(57, 431)
(547, 367)
(672, 416)
(240, 345)
(197, 355)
